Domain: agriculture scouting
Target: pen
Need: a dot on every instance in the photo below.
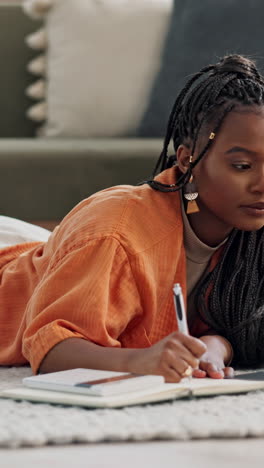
(181, 321)
(180, 309)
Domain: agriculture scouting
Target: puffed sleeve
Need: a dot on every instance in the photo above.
(90, 293)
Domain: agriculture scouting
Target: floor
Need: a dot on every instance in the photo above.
(242, 453)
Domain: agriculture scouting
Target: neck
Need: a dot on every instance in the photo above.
(208, 228)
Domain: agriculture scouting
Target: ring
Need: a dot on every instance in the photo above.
(187, 372)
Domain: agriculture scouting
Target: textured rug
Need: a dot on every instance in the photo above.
(31, 424)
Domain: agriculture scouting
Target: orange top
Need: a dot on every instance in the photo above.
(106, 275)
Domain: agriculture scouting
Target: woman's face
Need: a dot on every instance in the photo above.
(230, 178)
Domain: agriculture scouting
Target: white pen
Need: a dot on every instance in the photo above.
(181, 321)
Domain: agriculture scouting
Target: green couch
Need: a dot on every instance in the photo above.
(42, 179)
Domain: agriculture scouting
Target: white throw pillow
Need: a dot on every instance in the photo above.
(14, 231)
(100, 66)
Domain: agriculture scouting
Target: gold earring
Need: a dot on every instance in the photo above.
(190, 193)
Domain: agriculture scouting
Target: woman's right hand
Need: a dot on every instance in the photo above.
(171, 356)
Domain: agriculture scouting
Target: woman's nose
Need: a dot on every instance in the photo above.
(257, 184)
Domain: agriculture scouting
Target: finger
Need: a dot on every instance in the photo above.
(210, 366)
(179, 351)
(181, 366)
(171, 360)
(199, 373)
(229, 372)
(185, 356)
(194, 345)
(216, 374)
(171, 375)
(212, 370)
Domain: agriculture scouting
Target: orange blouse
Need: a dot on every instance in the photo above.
(106, 275)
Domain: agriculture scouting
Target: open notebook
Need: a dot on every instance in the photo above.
(105, 389)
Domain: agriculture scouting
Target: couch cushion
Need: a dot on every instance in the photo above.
(200, 32)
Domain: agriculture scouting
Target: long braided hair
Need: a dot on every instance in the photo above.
(235, 304)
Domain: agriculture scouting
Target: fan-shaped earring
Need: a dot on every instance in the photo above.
(190, 193)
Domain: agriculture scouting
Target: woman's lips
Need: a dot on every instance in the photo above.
(258, 206)
(256, 209)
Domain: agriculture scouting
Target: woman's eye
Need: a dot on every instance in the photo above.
(241, 166)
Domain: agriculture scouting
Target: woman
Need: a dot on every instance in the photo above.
(98, 293)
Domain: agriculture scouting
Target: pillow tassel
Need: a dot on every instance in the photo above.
(37, 90)
(38, 112)
(37, 66)
(38, 40)
(37, 9)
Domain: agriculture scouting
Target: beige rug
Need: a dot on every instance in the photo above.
(28, 424)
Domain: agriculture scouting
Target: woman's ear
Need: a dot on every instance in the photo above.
(183, 157)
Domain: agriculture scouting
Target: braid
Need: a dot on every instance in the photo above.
(161, 163)
(237, 306)
(233, 307)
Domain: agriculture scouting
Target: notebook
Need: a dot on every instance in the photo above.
(105, 389)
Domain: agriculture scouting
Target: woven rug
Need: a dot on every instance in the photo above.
(32, 424)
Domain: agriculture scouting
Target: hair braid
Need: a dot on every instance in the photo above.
(235, 307)
(161, 163)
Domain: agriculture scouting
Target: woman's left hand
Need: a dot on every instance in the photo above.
(211, 366)
(212, 362)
